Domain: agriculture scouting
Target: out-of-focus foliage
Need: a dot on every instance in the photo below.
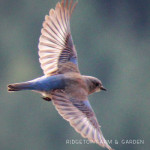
(113, 43)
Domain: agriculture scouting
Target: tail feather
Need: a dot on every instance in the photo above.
(19, 86)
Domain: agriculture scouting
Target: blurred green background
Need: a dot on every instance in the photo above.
(112, 38)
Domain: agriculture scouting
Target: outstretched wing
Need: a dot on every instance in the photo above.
(55, 43)
(80, 116)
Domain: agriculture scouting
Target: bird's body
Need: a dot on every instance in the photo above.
(62, 82)
(72, 82)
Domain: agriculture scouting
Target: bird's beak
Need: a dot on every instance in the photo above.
(102, 88)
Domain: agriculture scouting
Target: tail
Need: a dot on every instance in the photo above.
(40, 84)
(20, 86)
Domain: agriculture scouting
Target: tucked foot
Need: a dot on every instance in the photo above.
(46, 98)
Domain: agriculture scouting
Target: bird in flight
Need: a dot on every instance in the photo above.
(62, 82)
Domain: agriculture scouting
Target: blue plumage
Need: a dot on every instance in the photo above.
(49, 83)
(40, 84)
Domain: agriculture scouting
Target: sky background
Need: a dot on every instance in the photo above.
(112, 39)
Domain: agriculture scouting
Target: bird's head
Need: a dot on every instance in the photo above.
(97, 85)
(94, 84)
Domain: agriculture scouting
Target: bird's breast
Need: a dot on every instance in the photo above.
(75, 86)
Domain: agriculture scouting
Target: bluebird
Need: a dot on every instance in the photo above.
(62, 82)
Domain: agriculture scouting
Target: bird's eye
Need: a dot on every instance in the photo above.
(97, 84)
